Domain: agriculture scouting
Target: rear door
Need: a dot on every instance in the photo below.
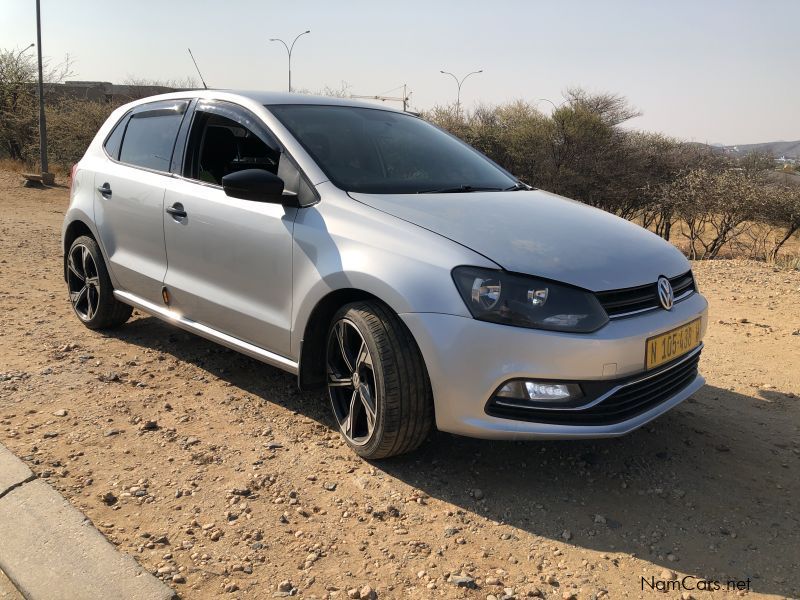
(129, 195)
(230, 260)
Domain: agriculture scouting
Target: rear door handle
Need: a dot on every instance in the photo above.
(176, 210)
(105, 190)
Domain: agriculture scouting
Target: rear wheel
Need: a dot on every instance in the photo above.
(90, 291)
(377, 382)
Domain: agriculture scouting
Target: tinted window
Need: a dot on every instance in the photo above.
(114, 139)
(219, 146)
(150, 138)
(377, 151)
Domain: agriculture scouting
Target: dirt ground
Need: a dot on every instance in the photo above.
(215, 473)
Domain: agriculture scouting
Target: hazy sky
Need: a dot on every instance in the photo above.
(706, 70)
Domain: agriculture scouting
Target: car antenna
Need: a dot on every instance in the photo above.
(198, 68)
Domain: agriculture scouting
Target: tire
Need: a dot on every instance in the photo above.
(399, 391)
(91, 293)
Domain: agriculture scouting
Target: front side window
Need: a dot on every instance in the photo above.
(382, 152)
(150, 137)
(218, 145)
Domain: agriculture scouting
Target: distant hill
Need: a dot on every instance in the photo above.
(776, 149)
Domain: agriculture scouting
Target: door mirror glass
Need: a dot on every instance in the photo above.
(254, 184)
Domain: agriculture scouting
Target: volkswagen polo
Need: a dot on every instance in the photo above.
(370, 253)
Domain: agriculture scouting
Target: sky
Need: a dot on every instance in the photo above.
(715, 71)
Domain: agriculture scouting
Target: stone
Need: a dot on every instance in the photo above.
(60, 413)
(464, 581)
(668, 575)
(285, 586)
(108, 498)
(367, 593)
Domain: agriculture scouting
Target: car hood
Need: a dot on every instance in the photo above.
(542, 234)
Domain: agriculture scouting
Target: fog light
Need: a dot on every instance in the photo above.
(539, 391)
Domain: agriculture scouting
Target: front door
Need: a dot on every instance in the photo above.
(230, 260)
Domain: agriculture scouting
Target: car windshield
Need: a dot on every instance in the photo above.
(381, 152)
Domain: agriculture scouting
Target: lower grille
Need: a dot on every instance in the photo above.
(620, 400)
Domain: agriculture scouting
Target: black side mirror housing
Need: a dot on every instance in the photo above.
(257, 185)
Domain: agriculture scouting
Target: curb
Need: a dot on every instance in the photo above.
(50, 551)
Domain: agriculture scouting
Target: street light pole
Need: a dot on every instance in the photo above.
(24, 50)
(42, 124)
(289, 52)
(459, 83)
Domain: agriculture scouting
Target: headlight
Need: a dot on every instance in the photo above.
(501, 297)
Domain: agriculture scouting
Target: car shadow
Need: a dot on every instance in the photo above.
(709, 489)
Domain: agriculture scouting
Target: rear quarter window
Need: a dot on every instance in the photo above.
(114, 140)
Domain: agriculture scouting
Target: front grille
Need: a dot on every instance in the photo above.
(621, 399)
(631, 301)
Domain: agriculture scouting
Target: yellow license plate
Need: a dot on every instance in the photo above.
(672, 344)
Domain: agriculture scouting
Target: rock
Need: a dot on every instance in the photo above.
(149, 426)
(492, 581)
(367, 593)
(60, 413)
(354, 594)
(330, 486)
(112, 431)
(108, 498)
(178, 578)
(477, 494)
(671, 557)
(464, 581)
(668, 575)
(567, 595)
(567, 535)
(285, 586)
(50, 434)
(231, 587)
(600, 519)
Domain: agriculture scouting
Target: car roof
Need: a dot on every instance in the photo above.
(266, 98)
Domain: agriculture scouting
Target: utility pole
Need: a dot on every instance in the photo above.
(47, 177)
(405, 98)
(289, 52)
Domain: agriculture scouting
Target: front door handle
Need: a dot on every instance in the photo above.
(176, 210)
(105, 190)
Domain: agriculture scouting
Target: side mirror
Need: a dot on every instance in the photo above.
(254, 184)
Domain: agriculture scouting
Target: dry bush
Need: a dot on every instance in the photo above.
(71, 126)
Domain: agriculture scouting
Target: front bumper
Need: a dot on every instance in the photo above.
(468, 360)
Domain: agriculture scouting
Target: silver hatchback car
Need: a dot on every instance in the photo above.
(369, 252)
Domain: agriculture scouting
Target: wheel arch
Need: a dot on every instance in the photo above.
(72, 232)
(312, 350)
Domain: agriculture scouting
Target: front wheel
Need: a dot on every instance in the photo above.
(377, 382)
(90, 290)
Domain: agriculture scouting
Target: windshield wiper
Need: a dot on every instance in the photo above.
(517, 187)
(461, 189)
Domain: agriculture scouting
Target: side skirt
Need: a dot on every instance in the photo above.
(172, 317)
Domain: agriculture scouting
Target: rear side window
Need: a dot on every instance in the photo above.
(150, 137)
